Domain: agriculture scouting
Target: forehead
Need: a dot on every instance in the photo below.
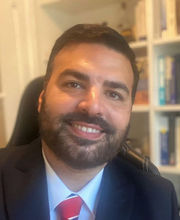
(94, 60)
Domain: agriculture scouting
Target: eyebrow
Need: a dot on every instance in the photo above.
(83, 77)
(116, 85)
(74, 73)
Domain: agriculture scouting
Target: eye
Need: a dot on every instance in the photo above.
(75, 85)
(114, 95)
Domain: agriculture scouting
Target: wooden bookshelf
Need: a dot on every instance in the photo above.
(170, 169)
(48, 2)
(172, 40)
(141, 108)
(167, 108)
(138, 44)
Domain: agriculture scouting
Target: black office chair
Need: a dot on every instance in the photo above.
(26, 127)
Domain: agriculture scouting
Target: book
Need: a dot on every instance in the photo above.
(171, 139)
(178, 15)
(164, 149)
(163, 23)
(140, 21)
(163, 139)
(137, 22)
(168, 78)
(173, 82)
(177, 139)
(161, 83)
(143, 34)
(142, 87)
(171, 19)
(177, 78)
(157, 22)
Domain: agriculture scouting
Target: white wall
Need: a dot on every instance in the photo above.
(18, 56)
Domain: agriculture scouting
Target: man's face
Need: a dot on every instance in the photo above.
(85, 109)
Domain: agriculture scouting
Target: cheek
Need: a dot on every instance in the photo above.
(60, 103)
(120, 119)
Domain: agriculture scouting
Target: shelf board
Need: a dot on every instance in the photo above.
(167, 108)
(140, 108)
(159, 42)
(71, 5)
(138, 44)
(48, 2)
(169, 169)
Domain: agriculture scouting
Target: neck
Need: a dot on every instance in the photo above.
(74, 179)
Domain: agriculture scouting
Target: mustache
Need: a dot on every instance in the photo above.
(85, 117)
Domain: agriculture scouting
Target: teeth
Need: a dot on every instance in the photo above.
(86, 129)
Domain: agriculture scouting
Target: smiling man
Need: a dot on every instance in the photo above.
(72, 171)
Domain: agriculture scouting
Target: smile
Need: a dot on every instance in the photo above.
(86, 129)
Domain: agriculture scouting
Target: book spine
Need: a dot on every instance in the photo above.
(142, 87)
(164, 149)
(171, 18)
(178, 15)
(171, 140)
(173, 83)
(177, 76)
(143, 20)
(163, 18)
(168, 78)
(140, 21)
(137, 22)
(161, 83)
(177, 139)
(157, 23)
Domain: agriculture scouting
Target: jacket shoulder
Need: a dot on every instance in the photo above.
(152, 191)
(11, 154)
(142, 179)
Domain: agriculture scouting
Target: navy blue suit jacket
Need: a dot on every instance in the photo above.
(127, 193)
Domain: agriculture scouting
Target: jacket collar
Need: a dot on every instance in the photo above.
(117, 194)
(25, 186)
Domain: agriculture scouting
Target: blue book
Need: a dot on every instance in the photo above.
(173, 83)
(171, 139)
(161, 75)
(177, 72)
(170, 80)
(164, 147)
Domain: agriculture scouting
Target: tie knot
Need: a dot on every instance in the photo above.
(69, 209)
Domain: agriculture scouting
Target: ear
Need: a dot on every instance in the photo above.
(40, 100)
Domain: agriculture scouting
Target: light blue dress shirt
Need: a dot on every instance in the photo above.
(58, 191)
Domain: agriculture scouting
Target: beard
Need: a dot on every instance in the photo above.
(77, 152)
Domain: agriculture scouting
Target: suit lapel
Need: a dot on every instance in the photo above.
(116, 196)
(25, 187)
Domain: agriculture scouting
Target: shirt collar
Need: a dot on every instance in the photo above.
(58, 191)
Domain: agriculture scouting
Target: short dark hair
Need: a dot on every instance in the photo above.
(94, 33)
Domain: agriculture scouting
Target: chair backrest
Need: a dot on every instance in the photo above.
(26, 125)
(26, 128)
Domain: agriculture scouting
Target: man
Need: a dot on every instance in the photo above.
(84, 113)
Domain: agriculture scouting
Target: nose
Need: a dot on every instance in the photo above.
(92, 103)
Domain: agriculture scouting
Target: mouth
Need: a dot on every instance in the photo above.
(86, 131)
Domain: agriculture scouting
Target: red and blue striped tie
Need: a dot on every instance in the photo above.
(69, 209)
